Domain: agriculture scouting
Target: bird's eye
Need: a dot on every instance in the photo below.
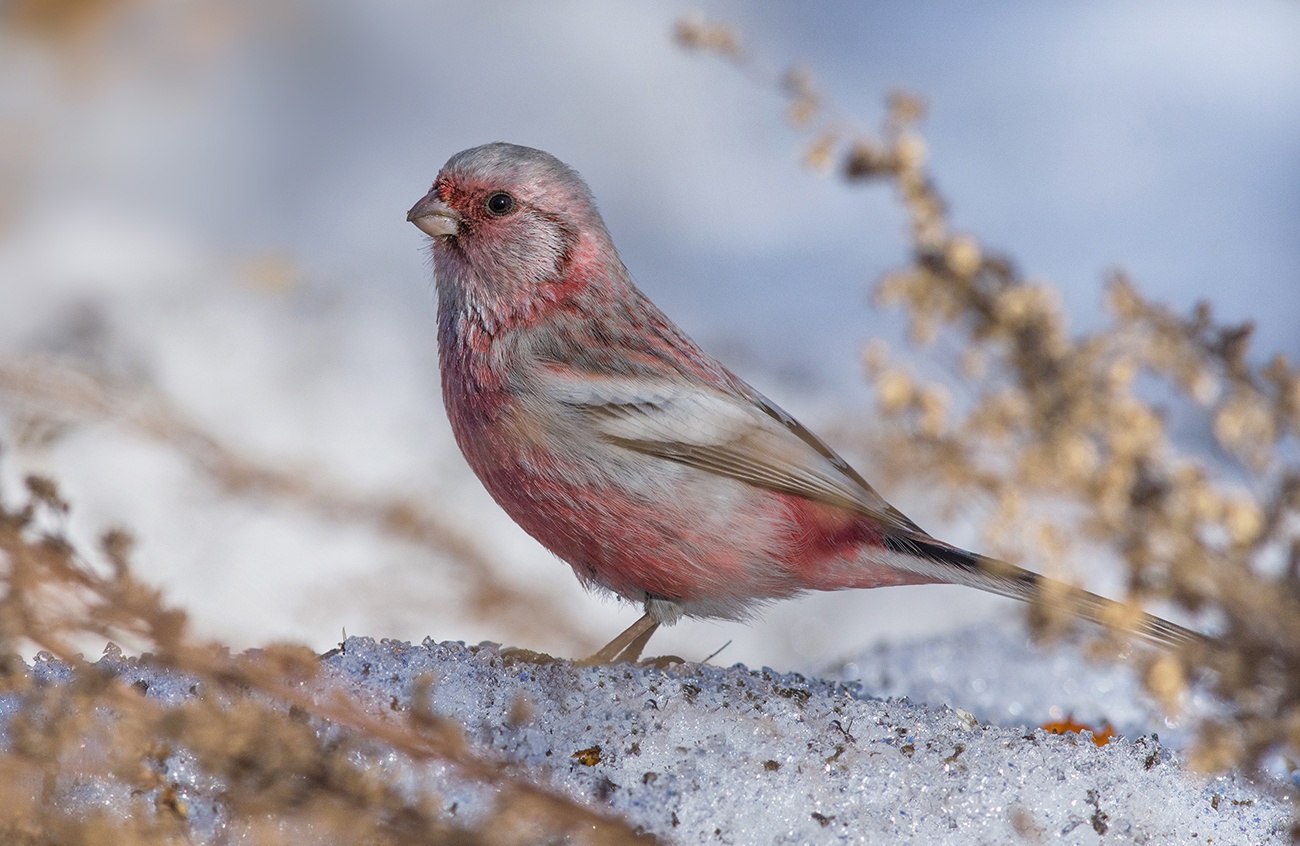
(500, 204)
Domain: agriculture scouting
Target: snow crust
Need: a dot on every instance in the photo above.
(995, 671)
(702, 754)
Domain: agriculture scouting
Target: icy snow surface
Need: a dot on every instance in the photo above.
(995, 672)
(704, 754)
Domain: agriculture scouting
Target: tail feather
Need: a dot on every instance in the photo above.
(944, 563)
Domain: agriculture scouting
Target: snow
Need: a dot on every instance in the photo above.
(695, 753)
(996, 672)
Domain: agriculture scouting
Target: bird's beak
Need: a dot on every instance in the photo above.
(434, 217)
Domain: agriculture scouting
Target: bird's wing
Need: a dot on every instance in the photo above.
(744, 438)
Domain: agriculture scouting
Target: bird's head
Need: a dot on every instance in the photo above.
(513, 229)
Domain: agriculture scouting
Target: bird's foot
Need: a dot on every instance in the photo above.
(661, 662)
(513, 655)
(626, 648)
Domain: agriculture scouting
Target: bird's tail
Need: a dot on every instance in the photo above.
(943, 563)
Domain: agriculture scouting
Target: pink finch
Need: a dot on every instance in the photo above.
(632, 454)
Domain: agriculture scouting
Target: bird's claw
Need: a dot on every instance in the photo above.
(661, 662)
(512, 655)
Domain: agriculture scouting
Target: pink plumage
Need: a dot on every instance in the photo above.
(628, 451)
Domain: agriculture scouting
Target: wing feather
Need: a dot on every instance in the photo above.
(745, 438)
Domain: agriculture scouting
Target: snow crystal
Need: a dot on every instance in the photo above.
(997, 673)
(701, 754)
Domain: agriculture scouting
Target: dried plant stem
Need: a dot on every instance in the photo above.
(1058, 429)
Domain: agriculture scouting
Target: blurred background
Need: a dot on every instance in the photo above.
(216, 328)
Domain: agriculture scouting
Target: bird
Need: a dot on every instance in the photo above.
(632, 454)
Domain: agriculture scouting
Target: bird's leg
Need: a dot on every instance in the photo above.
(632, 652)
(628, 645)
